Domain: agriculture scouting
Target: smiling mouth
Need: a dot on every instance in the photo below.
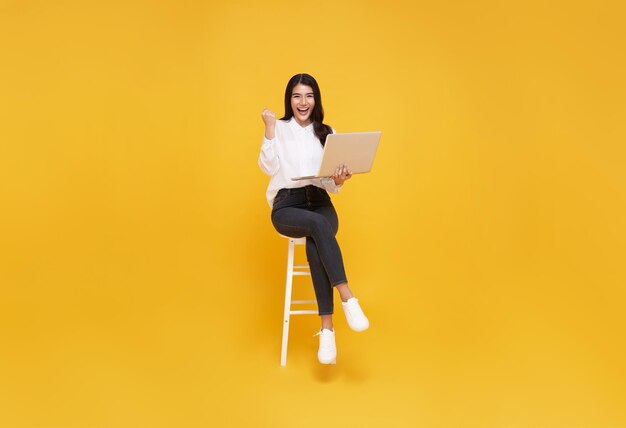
(303, 111)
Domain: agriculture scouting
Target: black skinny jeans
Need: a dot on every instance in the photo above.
(308, 211)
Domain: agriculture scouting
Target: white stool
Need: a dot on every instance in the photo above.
(293, 270)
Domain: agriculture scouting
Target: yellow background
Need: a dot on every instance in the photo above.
(142, 281)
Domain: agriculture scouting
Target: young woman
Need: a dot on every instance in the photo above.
(292, 147)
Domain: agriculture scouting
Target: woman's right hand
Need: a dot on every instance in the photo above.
(269, 118)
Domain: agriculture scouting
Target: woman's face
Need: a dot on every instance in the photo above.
(302, 103)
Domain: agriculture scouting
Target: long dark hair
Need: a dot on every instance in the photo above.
(317, 115)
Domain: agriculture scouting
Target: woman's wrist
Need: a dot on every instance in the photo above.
(270, 132)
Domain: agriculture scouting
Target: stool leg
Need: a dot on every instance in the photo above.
(287, 310)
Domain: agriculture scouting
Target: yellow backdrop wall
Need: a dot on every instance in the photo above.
(141, 279)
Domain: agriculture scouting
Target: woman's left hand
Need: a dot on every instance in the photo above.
(342, 173)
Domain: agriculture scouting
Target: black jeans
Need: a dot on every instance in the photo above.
(308, 211)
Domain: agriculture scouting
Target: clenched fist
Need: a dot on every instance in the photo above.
(269, 118)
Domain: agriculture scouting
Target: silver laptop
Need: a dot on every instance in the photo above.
(354, 149)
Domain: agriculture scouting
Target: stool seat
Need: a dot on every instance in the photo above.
(293, 270)
(297, 241)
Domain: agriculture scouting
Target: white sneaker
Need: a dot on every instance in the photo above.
(354, 315)
(327, 353)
